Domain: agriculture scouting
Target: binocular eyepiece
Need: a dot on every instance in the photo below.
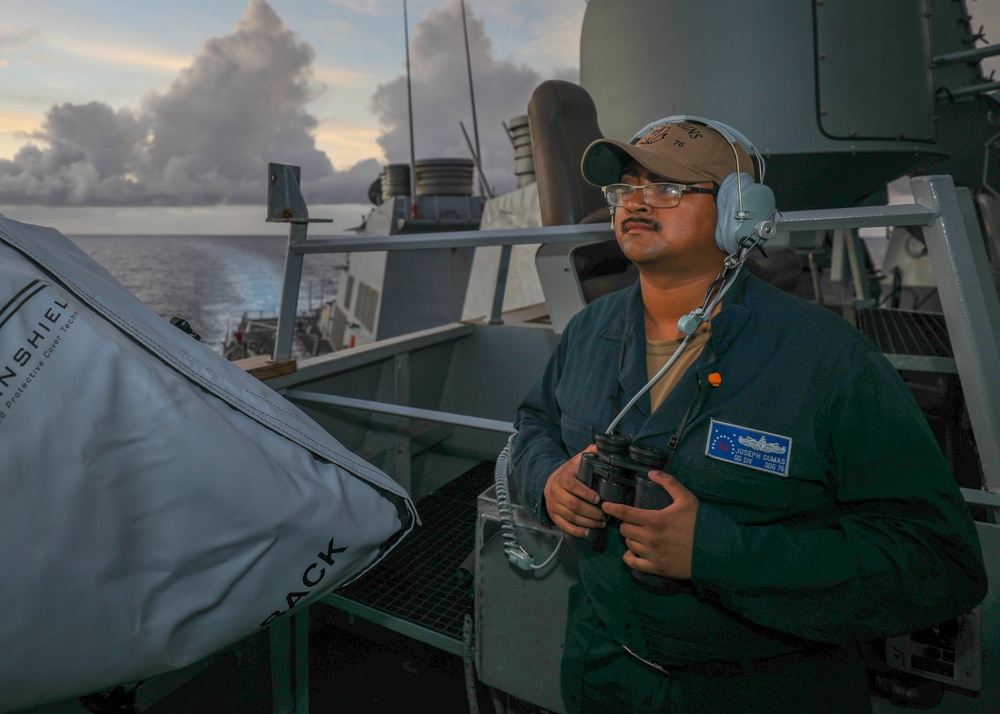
(619, 472)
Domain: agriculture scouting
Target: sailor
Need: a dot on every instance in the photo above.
(810, 507)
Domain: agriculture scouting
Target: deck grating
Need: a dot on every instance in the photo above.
(422, 581)
(905, 332)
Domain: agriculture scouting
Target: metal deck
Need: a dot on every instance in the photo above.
(911, 340)
(421, 588)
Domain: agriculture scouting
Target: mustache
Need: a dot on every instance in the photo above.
(649, 222)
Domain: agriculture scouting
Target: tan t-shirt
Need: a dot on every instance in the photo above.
(657, 354)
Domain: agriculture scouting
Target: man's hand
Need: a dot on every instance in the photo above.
(660, 542)
(570, 504)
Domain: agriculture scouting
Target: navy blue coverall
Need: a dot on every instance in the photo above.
(827, 513)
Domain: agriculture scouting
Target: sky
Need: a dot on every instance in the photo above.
(128, 117)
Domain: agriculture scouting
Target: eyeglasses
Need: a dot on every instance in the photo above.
(656, 195)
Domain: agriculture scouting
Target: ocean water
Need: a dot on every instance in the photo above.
(210, 280)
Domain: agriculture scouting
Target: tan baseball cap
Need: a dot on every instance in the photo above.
(683, 151)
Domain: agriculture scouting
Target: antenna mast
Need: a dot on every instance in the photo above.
(472, 97)
(409, 104)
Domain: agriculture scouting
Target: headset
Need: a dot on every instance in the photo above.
(745, 207)
(746, 211)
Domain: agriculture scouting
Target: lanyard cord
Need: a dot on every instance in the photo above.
(676, 438)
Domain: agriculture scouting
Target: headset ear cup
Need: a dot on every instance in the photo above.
(758, 205)
(727, 203)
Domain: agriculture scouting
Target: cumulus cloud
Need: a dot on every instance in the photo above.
(243, 102)
(206, 140)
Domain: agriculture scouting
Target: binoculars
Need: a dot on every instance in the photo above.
(619, 472)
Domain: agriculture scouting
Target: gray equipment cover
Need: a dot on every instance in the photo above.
(157, 503)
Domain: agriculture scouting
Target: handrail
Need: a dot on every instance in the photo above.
(302, 395)
(897, 214)
(456, 239)
(793, 221)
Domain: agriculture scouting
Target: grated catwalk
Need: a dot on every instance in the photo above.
(904, 332)
(422, 581)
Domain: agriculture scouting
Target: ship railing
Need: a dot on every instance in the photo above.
(943, 214)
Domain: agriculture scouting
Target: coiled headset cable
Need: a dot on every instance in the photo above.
(515, 552)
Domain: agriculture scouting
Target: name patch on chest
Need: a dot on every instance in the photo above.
(754, 449)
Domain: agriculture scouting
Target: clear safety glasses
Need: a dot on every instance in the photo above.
(656, 195)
